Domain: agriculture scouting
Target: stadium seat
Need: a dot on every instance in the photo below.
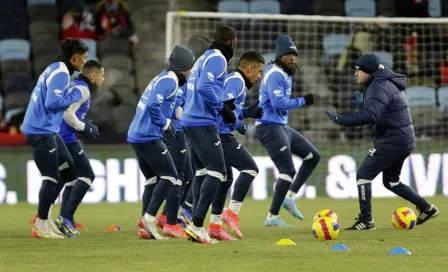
(41, 2)
(264, 6)
(386, 58)
(41, 47)
(442, 94)
(421, 96)
(47, 13)
(113, 47)
(234, 6)
(435, 8)
(360, 8)
(15, 67)
(41, 62)
(42, 30)
(92, 46)
(14, 49)
(334, 44)
(15, 84)
(8, 31)
(122, 63)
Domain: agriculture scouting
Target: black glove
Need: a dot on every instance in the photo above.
(358, 99)
(227, 115)
(171, 131)
(230, 104)
(90, 130)
(242, 128)
(253, 111)
(333, 117)
(309, 99)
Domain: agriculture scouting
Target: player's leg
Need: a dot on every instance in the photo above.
(187, 194)
(168, 218)
(207, 145)
(373, 164)
(197, 181)
(237, 156)
(391, 180)
(301, 147)
(276, 141)
(45, 155)
(157, 156)
(81, 186)
(215, 229)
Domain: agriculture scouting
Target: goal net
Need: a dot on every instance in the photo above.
(328, 49)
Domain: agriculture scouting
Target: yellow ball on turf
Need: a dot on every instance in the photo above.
(325, 228)
(404, 218)
(326, 212)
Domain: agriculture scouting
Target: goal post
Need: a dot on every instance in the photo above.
(328, 48)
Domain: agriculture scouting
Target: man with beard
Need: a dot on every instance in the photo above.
(280, 140)
(90, 80)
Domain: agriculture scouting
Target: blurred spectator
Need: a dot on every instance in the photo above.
(113, 20)
(78, 22)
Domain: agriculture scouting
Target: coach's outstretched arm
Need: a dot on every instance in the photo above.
(277, 96)
(55, 98)
(213, 69)
(376, 101)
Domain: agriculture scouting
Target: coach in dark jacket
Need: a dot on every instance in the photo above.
(385, 110)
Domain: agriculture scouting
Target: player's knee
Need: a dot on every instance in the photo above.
(173, 179)
(63, 166)
(220, 174)
(287, 174)
(252, 172)
(201, 172)
(149, 181)
(312, 157)
(390, 183)
(86, 180)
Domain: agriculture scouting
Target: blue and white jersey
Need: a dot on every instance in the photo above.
(204, 90)
(156, 102)
(76, 113)
(275, 96)
(234, 88)
(48, 101)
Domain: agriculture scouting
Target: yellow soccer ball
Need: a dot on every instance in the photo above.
(325, 228)
(324, 213)
(404, 218)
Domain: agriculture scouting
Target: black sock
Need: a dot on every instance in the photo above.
(172, 205)
(242, 186)
(306, 169)
(196, 190)
(46, 196)
(146, 198)
(281, 188)
(410, 195)
(208, 191)
(365, 201)
(66, 196)
(188, 202)
(219, 201)
(159, 195)
(77, 194)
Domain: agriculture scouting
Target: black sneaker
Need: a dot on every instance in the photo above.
(362, 225)
(428, 214)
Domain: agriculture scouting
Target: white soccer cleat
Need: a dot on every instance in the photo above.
(151, 229)
(199, 235)
(42, 229)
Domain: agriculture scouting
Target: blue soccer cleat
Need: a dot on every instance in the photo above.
(276, 222)
(67, 227)
(186, 213)
(291, 207)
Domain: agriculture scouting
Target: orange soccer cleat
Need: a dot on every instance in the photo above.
(174, 231)
(232, 220)
(217, 232)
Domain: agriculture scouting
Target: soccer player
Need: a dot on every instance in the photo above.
(41, 124)
(249, 71)
(90, 80)
(180, 153)
(385, 110)
(148, 128)
(280, 140)
(202, 105)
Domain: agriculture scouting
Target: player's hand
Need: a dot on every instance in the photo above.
(253, 111)
(171, 131)
(333, 117)
(228, 116)
(242, 128)
(90, 130)
(309, 99)
(358, 99)
(230, 104)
